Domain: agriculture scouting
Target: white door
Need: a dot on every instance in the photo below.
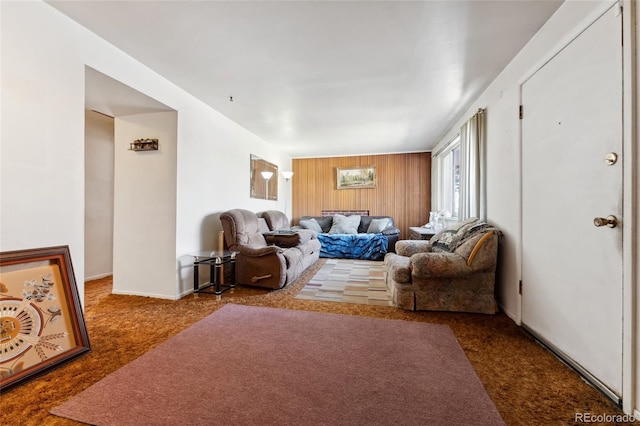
(571, 269)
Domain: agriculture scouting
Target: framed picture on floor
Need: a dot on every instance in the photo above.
(41, 320)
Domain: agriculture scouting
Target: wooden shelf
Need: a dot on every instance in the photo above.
(144, 145)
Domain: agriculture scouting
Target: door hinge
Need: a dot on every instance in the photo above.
(520, 287)
(520, 113)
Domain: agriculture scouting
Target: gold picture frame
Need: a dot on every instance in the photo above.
(41, 320)
(356, 177)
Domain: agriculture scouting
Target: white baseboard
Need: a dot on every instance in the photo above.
(126, 293)
(184, 293)
(133, 293)
(97, 277)
(509, 314)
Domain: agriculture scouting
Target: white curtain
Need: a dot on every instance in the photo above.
(473, 200)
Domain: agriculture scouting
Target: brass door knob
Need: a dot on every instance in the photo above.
(610, 221)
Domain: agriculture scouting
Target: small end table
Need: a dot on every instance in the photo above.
(216, 261)
(421, 233)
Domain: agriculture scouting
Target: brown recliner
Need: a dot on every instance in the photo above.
(263, 264)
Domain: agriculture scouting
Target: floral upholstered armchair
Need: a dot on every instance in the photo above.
(454, 271)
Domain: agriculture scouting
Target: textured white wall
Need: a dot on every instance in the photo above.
(44, 55)
(502, 100)
(145, 206)
(42, 136)
(213, 176)
(98, 195)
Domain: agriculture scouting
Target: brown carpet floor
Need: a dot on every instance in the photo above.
(528, 384)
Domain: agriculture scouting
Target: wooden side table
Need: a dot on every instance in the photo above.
(421, 233)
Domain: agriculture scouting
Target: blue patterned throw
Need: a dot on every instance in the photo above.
(353, 246)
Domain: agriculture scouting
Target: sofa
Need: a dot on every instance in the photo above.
(454, 271)
(264, 258)
(353, 236)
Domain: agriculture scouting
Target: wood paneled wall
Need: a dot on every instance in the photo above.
(403, 189)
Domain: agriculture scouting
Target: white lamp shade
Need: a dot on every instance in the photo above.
(287, 175)
(266, 175)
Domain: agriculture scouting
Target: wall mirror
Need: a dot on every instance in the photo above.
(264, 179)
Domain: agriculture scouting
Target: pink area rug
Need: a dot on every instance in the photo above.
(247, 365)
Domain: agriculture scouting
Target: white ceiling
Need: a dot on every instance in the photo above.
(325, 78)
(113, 98)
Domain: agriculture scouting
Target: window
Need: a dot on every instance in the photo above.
(458, 172)
(448, 181)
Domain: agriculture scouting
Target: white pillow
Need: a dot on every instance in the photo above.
(311, 224)
(345, 224)
(378, 225)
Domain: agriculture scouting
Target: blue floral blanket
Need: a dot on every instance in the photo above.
(353, 246)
